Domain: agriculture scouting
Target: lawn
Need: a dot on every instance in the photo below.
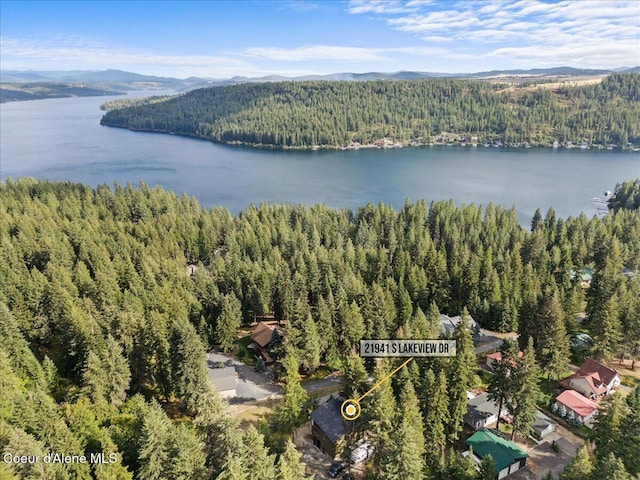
(246, 355)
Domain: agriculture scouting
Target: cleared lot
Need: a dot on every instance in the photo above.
(543, 458)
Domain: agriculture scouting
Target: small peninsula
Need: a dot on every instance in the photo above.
(15, 92)
(343, 114)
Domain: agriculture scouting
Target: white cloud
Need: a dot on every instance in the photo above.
(315, 52)
(530, 30)
(338, 53)
(18, 54)
(385, 7)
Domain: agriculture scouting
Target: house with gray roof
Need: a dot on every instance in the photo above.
(543, 426)
(448, 325)
(327, 426)
(482, 412)
(225, 381)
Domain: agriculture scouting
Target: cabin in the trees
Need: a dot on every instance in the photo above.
(448, 325)
(225, 381)
(482, 412)
(575, 407)
(593, 380)
(494, 358)
(543, 426)
(265, 337)
(508, 457)
(327, 426)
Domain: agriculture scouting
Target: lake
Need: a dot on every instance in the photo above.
(59, 139)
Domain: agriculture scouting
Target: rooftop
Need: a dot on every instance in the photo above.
(223, 378)
(504, 452)
(578, 403)
(481, 408)
(541, 421)
(591, 367)
(263, 334)
(328, 418)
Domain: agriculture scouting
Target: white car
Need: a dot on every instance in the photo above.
(361, 453)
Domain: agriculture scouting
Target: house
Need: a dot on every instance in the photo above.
(264, 338)
(543, 426)
(575, 407)
(584, 276)
(493, 358)
(482, 412)
(593, 380)
(508, 457)
(327, 426)
(448, 325)
(225, 381)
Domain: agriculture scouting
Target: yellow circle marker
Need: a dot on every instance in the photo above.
(350, 409)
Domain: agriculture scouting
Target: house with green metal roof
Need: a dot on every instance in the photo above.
(508, 457)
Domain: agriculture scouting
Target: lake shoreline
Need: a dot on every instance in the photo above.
(384, 144)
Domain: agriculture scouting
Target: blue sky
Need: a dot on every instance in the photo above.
(253, 38)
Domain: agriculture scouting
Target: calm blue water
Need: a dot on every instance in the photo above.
(62, 139)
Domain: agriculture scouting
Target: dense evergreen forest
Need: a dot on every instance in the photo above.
(103, 331)
(332, 114)
(13, 92)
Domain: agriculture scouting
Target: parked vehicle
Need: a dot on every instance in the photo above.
(361, 453)
(336, 469)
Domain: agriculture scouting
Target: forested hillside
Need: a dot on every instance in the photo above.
(103, 332)
(332, 114)
(13, 92)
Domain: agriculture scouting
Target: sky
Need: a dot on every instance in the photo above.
(221, 39)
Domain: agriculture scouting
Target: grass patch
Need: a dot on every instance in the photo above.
(482, 379)
(318, 374)
(629, 381)
(246, 355)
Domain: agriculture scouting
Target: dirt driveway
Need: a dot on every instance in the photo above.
(543, 458)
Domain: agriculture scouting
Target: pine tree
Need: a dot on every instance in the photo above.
(607, 430)
(310, 351)
(228, 322)
(610, 468)
(290, 466)
(290, 412)
(382, 408)
(629, 449)
(188, 365)
(436, 415)
(487, 469)
(406, 457)
(154, 452)
(524, 402)
(214, 429)
(352, 328)
(463, 367)
(255, 456)
(235, 468)
(187, 460)
(502, 385)
(355, 376)
(607, 330)
(580, 466)
(553, 342)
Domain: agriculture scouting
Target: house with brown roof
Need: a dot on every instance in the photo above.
(593, 380)
(264, 338)
(575, 407)
(495, 358)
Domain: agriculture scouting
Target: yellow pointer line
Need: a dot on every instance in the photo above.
(383, 380)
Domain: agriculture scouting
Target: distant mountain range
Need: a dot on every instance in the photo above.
(121, 80)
